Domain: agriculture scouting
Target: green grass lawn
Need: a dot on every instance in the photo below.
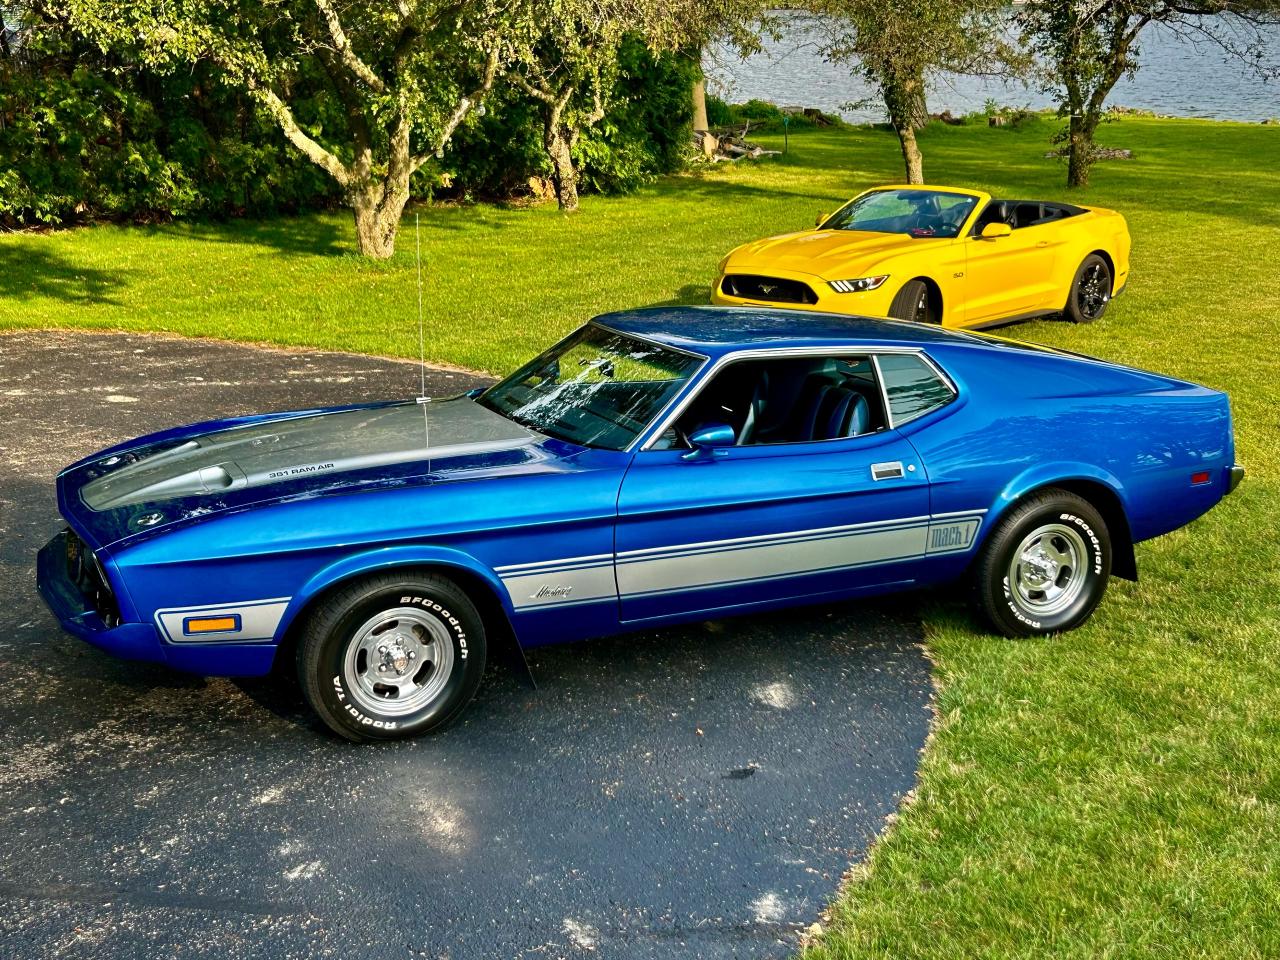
(1110, 793)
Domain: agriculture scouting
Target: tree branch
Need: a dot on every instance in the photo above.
(342, 46)
(1122, 40)
(460, 112)
(597, 109)
(359, 122)
(538, 93)
(313, 151)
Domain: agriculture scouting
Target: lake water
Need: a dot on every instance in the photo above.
(1176, 77)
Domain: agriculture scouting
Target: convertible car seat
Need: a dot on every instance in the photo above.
(997, 211)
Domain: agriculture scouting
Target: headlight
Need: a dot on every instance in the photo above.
(857, 286)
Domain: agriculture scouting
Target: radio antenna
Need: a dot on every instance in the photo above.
(423, 399)
(422, 340)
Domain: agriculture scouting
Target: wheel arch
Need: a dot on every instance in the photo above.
(935, 295)
(1107, 258)
(1102, 490)
(481, 584)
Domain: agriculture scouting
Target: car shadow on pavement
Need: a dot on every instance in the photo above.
(652, 667)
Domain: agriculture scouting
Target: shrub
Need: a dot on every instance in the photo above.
(765, 117)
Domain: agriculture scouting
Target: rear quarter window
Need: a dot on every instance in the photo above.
(913, 387)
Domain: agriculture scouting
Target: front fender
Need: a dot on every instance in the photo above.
(387, 558)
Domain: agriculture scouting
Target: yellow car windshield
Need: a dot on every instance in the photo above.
(917, 213)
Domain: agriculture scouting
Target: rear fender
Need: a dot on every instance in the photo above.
(1100, 487)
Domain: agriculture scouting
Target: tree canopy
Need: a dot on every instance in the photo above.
(1085, 48)
(407, 74)
(899, 44)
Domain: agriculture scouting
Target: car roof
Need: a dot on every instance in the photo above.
(715, 331)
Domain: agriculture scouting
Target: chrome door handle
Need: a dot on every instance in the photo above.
(889, 470)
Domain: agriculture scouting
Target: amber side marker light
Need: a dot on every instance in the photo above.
(195, 625)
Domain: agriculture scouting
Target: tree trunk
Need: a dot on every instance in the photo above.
(563, 176)
(917, 107)
(700, 103)
(911, 157)
(904, 99)
(1079, 151)
(377, 208)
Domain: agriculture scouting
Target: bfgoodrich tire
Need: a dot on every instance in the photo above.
(393, 655)
(1045, 567)
(1090, 291)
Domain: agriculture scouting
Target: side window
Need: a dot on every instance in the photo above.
(912, 386)
(786, 400)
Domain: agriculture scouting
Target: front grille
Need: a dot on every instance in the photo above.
(86, 573)
(772, 289)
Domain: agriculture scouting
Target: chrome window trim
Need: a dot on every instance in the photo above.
(780, 353)
(938, 372)
(630, 448)
(884, 392)
(656, 343)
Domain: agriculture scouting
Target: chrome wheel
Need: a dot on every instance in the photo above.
(1093, 291)
(398, 661)
(1049, 569)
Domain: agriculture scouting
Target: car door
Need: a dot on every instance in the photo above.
(759, 524)
(1010, 275)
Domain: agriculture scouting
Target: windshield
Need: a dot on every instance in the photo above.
(597, 388)
(917, 213)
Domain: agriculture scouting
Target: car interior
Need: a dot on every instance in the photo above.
(1023, 213)
(788, 400)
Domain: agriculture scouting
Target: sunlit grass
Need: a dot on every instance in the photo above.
(1111, 793)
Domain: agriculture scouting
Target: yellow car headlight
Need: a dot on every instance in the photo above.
(857, 286)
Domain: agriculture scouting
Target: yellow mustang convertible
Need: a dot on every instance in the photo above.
(939, 255)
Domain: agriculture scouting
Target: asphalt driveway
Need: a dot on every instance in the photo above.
(685, 793)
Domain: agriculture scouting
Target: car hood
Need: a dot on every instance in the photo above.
(830, 254)
(197, 472)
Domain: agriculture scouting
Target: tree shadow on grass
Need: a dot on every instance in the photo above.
(310, 234)
(35, 268)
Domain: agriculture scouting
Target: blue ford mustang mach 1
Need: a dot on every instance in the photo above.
(656, 466)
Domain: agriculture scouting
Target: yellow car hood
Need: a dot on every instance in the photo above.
(825, 253)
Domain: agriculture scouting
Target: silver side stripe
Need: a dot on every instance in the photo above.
(712, 546)
(713, 563)
(258, 621)
(857, 547)
(515, 569)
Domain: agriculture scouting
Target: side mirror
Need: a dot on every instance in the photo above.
(706, 441)
(994, 230)
(821, 218)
